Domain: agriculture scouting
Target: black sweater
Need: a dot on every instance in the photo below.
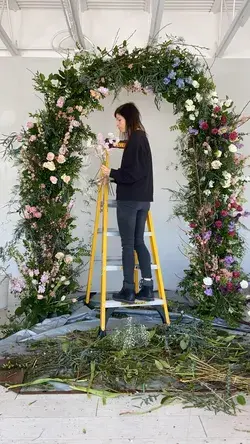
(134, 178)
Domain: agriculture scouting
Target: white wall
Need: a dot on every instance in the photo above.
(18, 99)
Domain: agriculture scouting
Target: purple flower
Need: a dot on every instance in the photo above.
(246, 214)
(229, 260)
(231, 226)
(239, 145)
(176, 62)
(218, 239)
(45, 278)
(41, 289)
(206, 236)
(209, 292)
(166, 81)
(17, 285)
(180, 83)
(193, 131)
(172, 75)
(189, 81)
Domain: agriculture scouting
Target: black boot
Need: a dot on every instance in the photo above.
(126, 295)
(146, 292)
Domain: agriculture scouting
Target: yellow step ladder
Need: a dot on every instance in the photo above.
(107, 307)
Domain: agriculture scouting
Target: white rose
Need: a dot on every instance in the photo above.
(207, 192)
(205, 151)
(228, 103)
(63, 298)
(59, 255)
(63, 278)
(214, 101)
(226, 175)
(189, 102)
(192, 117)
(244, 284)
(190, 108)
(196, 84)
(111, 136)
(196, 113)
(232, 148)
(226, 184)
(67, 283)
(68, 259)
(49, 165)
(208, 281)
(218, 153)
(216, 164)
(198, 97)
(211, 184)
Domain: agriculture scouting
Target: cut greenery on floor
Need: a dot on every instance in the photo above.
(195, 364)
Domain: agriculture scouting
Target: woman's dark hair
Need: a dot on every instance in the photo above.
(132, 116)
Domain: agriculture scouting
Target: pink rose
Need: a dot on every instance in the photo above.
(53, 180)
(50, 156)
(30, 125)
(19, 138)
(37, 214)
(43, 186)
(224, 213)
(75, 123)
(65, 178)
(63, 150)
(61, 158)
(214, 131)
(32, 138)
(60, 102)
(218, 224)
(217, 109)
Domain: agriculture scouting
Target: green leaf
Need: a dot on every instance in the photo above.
(241, 400)
(65, 346)
(183, 344)
(159, 365)
(19, 311)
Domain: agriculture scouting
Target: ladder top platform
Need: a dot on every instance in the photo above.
(116, 304)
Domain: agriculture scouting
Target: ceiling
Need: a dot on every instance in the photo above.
(174, 5)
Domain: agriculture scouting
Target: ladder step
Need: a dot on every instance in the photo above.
(112, 203)
(115, 304)
(119, 267)
(112, 232)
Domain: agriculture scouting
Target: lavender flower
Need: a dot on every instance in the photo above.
(172, 75)
(229, 260)
(180, 83)
(41, 289)
(231, 226)
(17, 285)
(176, 62)
(209, 292)
(189, 81)
(193, 131)
(166, 81)
(44, 278)
(206, 236)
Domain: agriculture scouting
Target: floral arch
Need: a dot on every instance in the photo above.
(50, 153)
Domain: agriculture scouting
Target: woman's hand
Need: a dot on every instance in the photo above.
(105, 171)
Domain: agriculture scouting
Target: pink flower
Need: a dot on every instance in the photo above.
(30, 125)
(218, 224)
(214, 131)
(233, 136)
(53, 180)
(74, 300)
(224, 213)
(103, 91)
(63, 150)
(40, 297)
(65, 178)
(60, 102)
(33, 209)
(61, 158)
(70, 109)
(75, 123)
(42, 186)
(32, 138)
(19, 138)
(217, 109)
(79, 108)
(37, 214)
(50, 156)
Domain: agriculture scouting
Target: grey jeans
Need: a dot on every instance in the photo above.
(131, 218)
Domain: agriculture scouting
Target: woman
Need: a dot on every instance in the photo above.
(134, 181)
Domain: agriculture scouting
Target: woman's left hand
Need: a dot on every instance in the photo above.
(105, 170)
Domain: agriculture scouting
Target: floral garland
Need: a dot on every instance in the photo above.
(51, 153)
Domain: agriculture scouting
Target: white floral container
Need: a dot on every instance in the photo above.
(4, 291)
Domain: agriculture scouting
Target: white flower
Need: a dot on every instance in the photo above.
(216, 164)
(63, 298)
(218, 153)
(192, 117)
(214, 101)
(196, 113)
(232, 148)
(67, 283)
(68, 259)
(244, 284)
(59, 255)
(207, 192)
(34, 282)
(213, 94)
(205, 151)
(49, 165)
(226, 175)
(228, 103)
(111, 136)
(208, 281)
(198, 97)
(189, 105)
(226, 184)
(246, 178)
(211, 184)
(63, 278)
(196, 84)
